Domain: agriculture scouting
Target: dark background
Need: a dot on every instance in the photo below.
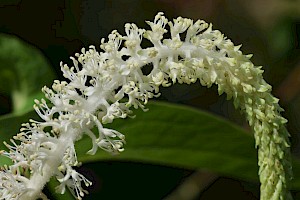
(269, 29)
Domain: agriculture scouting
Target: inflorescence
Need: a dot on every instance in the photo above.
(102, 86)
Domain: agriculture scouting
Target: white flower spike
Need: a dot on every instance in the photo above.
(103, 86)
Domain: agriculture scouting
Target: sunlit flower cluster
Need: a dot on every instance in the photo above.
(102, 86)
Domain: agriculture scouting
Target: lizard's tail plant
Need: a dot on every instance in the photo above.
(103, 86)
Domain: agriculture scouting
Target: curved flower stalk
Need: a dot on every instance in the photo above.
(103, 86)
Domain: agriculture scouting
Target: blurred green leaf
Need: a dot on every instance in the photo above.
(23, 72)
(180, 136)
(173, 135)
(283, 38)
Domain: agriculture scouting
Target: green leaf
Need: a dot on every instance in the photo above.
(181, 136)
(172, 135)
(23, 72)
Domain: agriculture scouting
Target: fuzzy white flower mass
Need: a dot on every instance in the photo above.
(102, 86)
